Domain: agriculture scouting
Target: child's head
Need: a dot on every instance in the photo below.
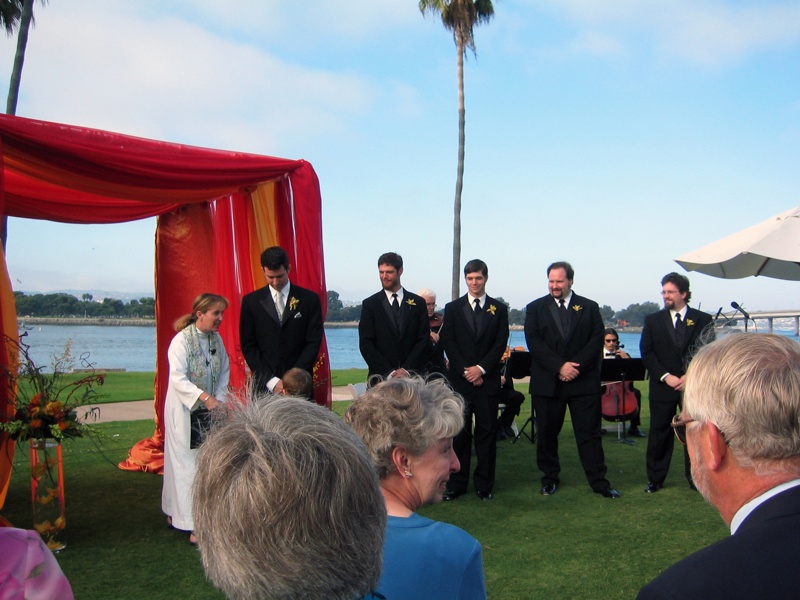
(298, 383)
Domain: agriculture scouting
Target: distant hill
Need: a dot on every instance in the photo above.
(98, 295)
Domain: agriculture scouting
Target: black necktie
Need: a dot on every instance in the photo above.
(476, 313)
(396, 309)
(564, 315)
(680, 328)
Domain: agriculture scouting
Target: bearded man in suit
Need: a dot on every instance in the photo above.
(739, 421)
(474, 336)
(281, 324)
(564, 333)
(669, 339)
(393, 330)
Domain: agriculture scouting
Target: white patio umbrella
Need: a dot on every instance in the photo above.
(769, 249)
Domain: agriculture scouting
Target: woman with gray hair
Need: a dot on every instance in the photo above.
(287, 504)
(408, 426)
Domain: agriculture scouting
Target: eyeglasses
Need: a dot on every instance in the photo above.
(679, 427)
(609, 340)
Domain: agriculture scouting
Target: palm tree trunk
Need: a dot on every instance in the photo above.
(456, 282)
(13, 86)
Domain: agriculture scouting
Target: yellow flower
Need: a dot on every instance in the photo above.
(60, 523)
(293, 303)
(55, 545)
(492, 309)
(43, 528)
(577, 307)
(411, 302)
(689, 322)
(52, 408)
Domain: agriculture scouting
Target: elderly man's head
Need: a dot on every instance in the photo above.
(746, 389)
(287, 504)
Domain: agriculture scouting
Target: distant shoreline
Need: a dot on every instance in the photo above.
(151, 323)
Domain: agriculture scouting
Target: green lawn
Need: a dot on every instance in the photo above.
(574, 544)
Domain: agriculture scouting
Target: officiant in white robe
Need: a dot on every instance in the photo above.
(199, 371)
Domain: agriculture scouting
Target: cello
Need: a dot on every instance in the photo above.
(618, 403)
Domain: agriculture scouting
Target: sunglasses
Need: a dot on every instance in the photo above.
(679, 427)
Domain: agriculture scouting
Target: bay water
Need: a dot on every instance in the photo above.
(134, 348)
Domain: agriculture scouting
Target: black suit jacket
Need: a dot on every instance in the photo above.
(465, 346)
(383, 346)
(661, 352)
(272, 346)
(759, 561)
(549, 349)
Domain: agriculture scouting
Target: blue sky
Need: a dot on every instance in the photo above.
(616, 136)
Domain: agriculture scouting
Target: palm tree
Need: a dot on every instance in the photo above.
(23, 9)
(460, 17)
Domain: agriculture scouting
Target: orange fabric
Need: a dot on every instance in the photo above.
(8, 360)
(217, 211)
(184, 270)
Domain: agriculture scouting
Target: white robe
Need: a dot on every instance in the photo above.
(182, 398)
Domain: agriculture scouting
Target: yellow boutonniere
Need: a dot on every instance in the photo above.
(492, 309)
(689, 322)
(293, 303)
(577, 307)
(411, 302)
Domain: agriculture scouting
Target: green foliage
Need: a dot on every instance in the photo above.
(634, 315)
(607, 313)
(67, 305)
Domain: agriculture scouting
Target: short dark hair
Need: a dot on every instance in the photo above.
(476, 265)
(274, 257)
(611, 331)
(393, 259)
(679, 281)
(562, 265)
(297, 382)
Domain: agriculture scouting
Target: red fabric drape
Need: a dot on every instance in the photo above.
(209, 236)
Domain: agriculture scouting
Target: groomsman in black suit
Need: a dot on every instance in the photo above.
(393, 330)
(281, 324)
(564, 333)
(739, 421)
(670, 338)
(474, 336)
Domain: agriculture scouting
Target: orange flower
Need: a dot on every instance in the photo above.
(36, 423)
(35, 401)
(62, 425)
(52, 408)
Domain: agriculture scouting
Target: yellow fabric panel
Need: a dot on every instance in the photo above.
(8, 360)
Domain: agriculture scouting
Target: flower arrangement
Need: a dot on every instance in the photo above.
(45, 404)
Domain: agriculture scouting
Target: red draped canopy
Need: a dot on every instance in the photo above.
(217, 210)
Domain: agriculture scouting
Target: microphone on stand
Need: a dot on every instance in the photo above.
(719, 312)
(740, 309)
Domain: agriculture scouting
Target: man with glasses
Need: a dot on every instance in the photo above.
(612, 350)
(740, 423)
(669, 339)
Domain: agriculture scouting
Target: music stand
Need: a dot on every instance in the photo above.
(518, 366)
(624, 370)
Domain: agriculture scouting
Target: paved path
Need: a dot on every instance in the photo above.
(143, 409)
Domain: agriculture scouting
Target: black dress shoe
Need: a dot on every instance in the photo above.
(653, 487)
(510, 432)
(608, 493)
(485, 495)
(636, 432)
(450, 495)
(548, 489)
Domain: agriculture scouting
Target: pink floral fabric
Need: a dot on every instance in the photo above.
(28, 570)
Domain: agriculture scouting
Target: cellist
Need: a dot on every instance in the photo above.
(434, 353)
(612, 350)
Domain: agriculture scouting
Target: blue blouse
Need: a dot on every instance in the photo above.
(428, 560)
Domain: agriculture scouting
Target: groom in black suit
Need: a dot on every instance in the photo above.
(669, 339)
(393, 329)
(474, 336)
(564, 333)
(740, 423)
(281, 324)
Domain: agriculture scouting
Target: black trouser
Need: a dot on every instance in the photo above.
(484, 408)
(585, 413)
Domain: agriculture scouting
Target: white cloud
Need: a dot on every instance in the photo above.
(702, 32)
